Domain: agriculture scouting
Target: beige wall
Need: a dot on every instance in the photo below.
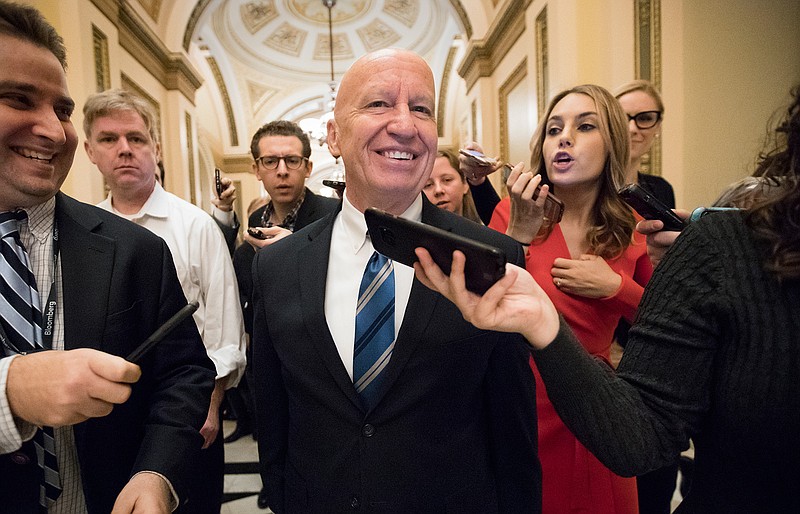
(738, 61)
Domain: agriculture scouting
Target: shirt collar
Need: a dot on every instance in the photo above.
(41, 219)
(156, 205)
(355, 226)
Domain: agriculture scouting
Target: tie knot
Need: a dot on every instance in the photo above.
(9, 222)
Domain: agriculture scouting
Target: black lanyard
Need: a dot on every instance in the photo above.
(48, 311)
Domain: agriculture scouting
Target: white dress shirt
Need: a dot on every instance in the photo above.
(349, 253)
(205, 271)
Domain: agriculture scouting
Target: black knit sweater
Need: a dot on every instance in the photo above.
(715, 356)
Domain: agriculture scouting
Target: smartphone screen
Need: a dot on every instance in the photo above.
(477, 158)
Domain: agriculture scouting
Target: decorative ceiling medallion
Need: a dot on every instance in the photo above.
(341, 47)
(257, 14)
(315, 12)
(377, 35)
(259, 94)
(287, 39)
(404, 10)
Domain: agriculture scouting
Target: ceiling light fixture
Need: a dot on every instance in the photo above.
(317, 128)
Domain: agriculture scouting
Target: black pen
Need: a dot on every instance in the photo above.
(162, 331)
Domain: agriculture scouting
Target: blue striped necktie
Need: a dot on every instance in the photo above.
(374, 339)
(21, 318)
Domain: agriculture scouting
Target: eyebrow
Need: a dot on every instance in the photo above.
(580, 116)
(25, 87)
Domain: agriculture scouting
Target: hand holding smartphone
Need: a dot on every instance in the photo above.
(650, 208)
(397, 238)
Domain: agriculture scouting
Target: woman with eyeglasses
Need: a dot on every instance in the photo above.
(645, 109)
(591, 264)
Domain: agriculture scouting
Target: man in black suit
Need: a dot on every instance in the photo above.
(451, 427)
(126, 435)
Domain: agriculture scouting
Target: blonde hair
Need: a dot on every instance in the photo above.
(644, 86)
(612, 221)
(113, 100)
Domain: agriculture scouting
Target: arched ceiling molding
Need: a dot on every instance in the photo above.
(483, 55)
(191, 24)
(444, 89)
(172, 69)
(463, 17)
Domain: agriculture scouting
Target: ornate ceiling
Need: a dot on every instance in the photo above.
(270, 58)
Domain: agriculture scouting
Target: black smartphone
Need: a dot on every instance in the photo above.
(257, 234)
(334, 184)
(650, 207)
(218, 182)
(397, 238)
(161, 332)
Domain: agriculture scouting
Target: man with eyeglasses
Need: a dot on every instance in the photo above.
(281, 152)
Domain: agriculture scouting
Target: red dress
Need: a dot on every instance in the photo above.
(573, 480)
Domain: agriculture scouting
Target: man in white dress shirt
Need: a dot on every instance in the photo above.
(122, 142)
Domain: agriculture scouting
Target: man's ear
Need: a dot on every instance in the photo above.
(89, 152)
(309, 167)
(333, 138)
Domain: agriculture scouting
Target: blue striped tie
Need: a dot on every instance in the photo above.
(374, 327)
(19, 298)
(21, 319)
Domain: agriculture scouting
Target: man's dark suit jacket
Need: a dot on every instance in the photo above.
(119, 285)
(313, 208)
(454, 429)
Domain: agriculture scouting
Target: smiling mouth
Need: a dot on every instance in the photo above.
(400, 156)
(35, 156)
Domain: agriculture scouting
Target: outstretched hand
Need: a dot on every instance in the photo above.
(515, 303)
(57, 388)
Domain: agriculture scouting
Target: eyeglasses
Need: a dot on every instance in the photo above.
(646, 119)
(292, 162)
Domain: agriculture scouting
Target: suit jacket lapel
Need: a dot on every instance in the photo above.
(312, 296)
(86, 265)
(419, 311)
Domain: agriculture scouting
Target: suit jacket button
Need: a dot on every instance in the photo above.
(354, 503)
(368, 430)
(20, 458)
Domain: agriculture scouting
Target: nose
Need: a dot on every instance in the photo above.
(49, 126)
(124, 146)
(402, 122)
(438, 188)
(565, 141)
(632, 126)
(282, 170)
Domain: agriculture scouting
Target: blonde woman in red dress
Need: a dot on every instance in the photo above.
(591, 264)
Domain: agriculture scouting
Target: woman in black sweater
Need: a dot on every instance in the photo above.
(713, 356)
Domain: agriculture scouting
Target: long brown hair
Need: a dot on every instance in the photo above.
(776, 219)
(612, 221)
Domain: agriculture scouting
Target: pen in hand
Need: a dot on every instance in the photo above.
(162, 331)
